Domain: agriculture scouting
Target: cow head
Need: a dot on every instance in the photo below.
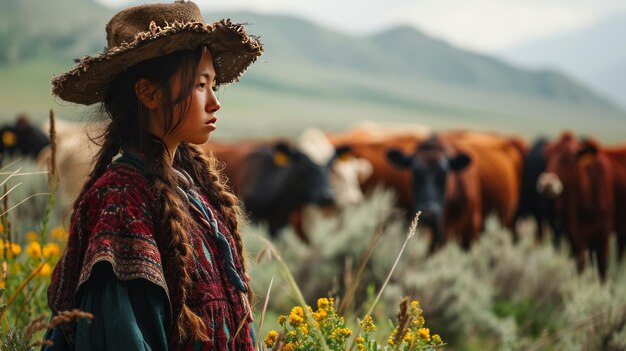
(430, 167)
(346, 173)
(23, 138)
(283, 177)
(565, 158)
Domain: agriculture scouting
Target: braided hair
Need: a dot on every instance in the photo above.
(128, 127)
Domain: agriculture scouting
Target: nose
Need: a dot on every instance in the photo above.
(326, 197)
(549, 184)
(212, 105)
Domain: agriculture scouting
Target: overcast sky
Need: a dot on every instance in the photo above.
(483, 25)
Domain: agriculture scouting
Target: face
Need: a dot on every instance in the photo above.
(198, 111)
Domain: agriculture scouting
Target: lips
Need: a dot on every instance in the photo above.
(211, 121)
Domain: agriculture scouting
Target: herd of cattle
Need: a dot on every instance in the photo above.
(571, 185)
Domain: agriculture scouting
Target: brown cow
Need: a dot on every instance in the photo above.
(499, 163)
(445, 187)
(579, 174)
(617, 155)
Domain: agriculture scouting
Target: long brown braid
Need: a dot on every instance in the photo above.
(127, 129)
(205, 172)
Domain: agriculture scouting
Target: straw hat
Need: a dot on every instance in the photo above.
(143, 32)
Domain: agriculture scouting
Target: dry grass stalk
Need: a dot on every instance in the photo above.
(38, 324)
(265, 304)
(378, 233)
(410, 234)
(52, 181)
(404, 321)
(271, 249)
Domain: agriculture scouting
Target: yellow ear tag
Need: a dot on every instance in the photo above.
(280, 159)
(9, 138)
(344, 157)
(585, 160)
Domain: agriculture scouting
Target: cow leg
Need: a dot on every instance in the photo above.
(580, 254)
(541, 228)
(296, 218)
(514, 230)
(621, 243)
(437, 237)
(556, 231)
(601, 250)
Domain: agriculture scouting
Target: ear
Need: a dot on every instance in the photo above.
(342, 153)
(147, 93)
(281, 154)
(398, 158)
(459, 162)
(588, 149)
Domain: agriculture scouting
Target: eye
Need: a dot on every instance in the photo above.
(201, 85)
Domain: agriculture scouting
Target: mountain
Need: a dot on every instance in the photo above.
(310, 75)
(67, 28)
(593, 55)
(406, 52)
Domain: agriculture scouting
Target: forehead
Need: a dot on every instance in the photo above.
(206, 66)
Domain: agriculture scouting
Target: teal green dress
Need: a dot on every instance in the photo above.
(136, 315)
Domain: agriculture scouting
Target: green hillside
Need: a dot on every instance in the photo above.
(311, 76)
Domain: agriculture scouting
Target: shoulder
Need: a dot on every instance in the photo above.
(121, 182)
(122, 191)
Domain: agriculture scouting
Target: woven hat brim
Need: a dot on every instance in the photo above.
(232, 48)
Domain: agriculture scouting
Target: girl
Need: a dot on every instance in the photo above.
(155, 252)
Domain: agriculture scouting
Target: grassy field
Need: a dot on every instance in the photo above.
(497, 296)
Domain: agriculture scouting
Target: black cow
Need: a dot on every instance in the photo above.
(445, 188)
(273, 180)
(22, 138)
(531, 201)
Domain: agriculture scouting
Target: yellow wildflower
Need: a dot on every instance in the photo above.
(368, 324)
(298, 311)
(322, 303)
(51, 250)
(319, 315)
(295, 320)
(32, 236)
(271, 337)
(46, 270)
(34, 249)
(304, 329)
(16, 249)
(391, 341)
(437, 340)
(282, 319)
(360, 340)
(408, 337)
(292, 334)
(424, 333)
(360, 347)
(59, 233)
(288, 347)
(419, 322)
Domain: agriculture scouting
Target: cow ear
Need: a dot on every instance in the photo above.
(281, 154)
(398, 158)
(9, 138)
(460, 161)
(587, 153)
(342, 153)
